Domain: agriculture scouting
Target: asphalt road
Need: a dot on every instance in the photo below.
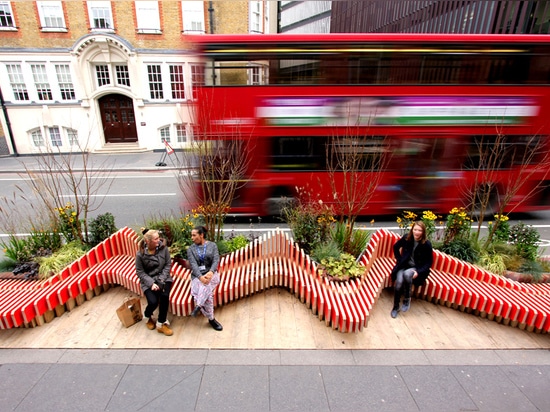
(133, 197)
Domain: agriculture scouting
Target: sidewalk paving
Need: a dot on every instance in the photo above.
(139, 161)
(274, 380)
(263, 379)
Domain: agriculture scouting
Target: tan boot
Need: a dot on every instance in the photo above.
(165, 329)
(151, 324)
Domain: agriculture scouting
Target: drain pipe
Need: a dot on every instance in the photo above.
(8, 124)
(211, 16)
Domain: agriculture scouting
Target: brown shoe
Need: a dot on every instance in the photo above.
(151, 324)
(165, 329)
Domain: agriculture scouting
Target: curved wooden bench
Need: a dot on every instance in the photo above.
(274, 260)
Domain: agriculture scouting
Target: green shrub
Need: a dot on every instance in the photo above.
(17, 249)
(326, 250)
(342, 268)
(237, 242)
(359, 240)
(7, 265)
(232, 244)
(303, 223)
(526, 239)
(533, 268)
(101, 228)
(460, 248)
(492, 262)
(53, 264)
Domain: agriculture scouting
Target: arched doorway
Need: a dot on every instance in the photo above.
(117, 116)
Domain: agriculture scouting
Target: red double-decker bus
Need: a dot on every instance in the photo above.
(428, 100)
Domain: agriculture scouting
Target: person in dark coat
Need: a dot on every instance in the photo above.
(153, 270)
(414, 255)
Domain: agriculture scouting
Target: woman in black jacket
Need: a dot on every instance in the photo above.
(153, 270)
(414, 255)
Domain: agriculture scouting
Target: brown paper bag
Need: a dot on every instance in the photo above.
(129, 312)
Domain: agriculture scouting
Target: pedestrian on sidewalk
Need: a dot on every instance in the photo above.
(414, 256)
(153, 270)
(204, 258)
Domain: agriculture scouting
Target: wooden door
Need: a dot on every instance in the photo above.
(117, 115)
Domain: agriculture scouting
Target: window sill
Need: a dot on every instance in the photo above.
(54, 30)
(149, 31)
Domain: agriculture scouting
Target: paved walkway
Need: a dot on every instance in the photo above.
(276, 380)
(262, 379)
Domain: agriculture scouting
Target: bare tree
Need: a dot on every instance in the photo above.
(69, 177)
(494, 192)
(355, 163)
(216, 167)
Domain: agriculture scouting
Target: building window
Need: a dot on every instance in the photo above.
(100, 15)
(102, 75)
(255, 16)
(147, 14)
(17, 82)
(176, 81)
(155, 81)
(6, 16)
(37, 139)
(122, 75)
(65, 82)
(197, 77)
(72, 136)
(256, 75)
(193, 16)
(55, 136)
(51, 16)
(41, 82)
(181, 133)
(165, 134)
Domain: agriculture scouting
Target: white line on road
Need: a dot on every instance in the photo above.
(128, 195)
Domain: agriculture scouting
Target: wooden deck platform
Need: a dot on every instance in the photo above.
(273, 319)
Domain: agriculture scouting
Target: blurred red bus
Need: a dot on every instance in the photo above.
(429, 99)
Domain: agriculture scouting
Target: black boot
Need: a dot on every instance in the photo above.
(215, 324)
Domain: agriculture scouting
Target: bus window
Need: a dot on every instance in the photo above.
(501, 152)
(298, 153)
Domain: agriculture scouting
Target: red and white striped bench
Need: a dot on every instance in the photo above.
(275, 261)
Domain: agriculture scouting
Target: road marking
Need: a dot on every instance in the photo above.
(126, 195)
(141, 176)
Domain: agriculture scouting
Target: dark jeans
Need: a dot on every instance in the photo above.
(402, 285)
(160, 299)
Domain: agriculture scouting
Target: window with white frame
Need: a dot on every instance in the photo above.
(181, 133)
(165, 134)
(176, 81)
(256, 14)
(147, 15)
(100, 15)
(51, 16)
(6, 16)
(197, 77)
(37, 138)
(155, 81)
(55, 136)
(102, 75)
(256, 75)
(41, 82)
(72, 137)
(122, 75)
(193, 16)
(65, 81)
(17, 82)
